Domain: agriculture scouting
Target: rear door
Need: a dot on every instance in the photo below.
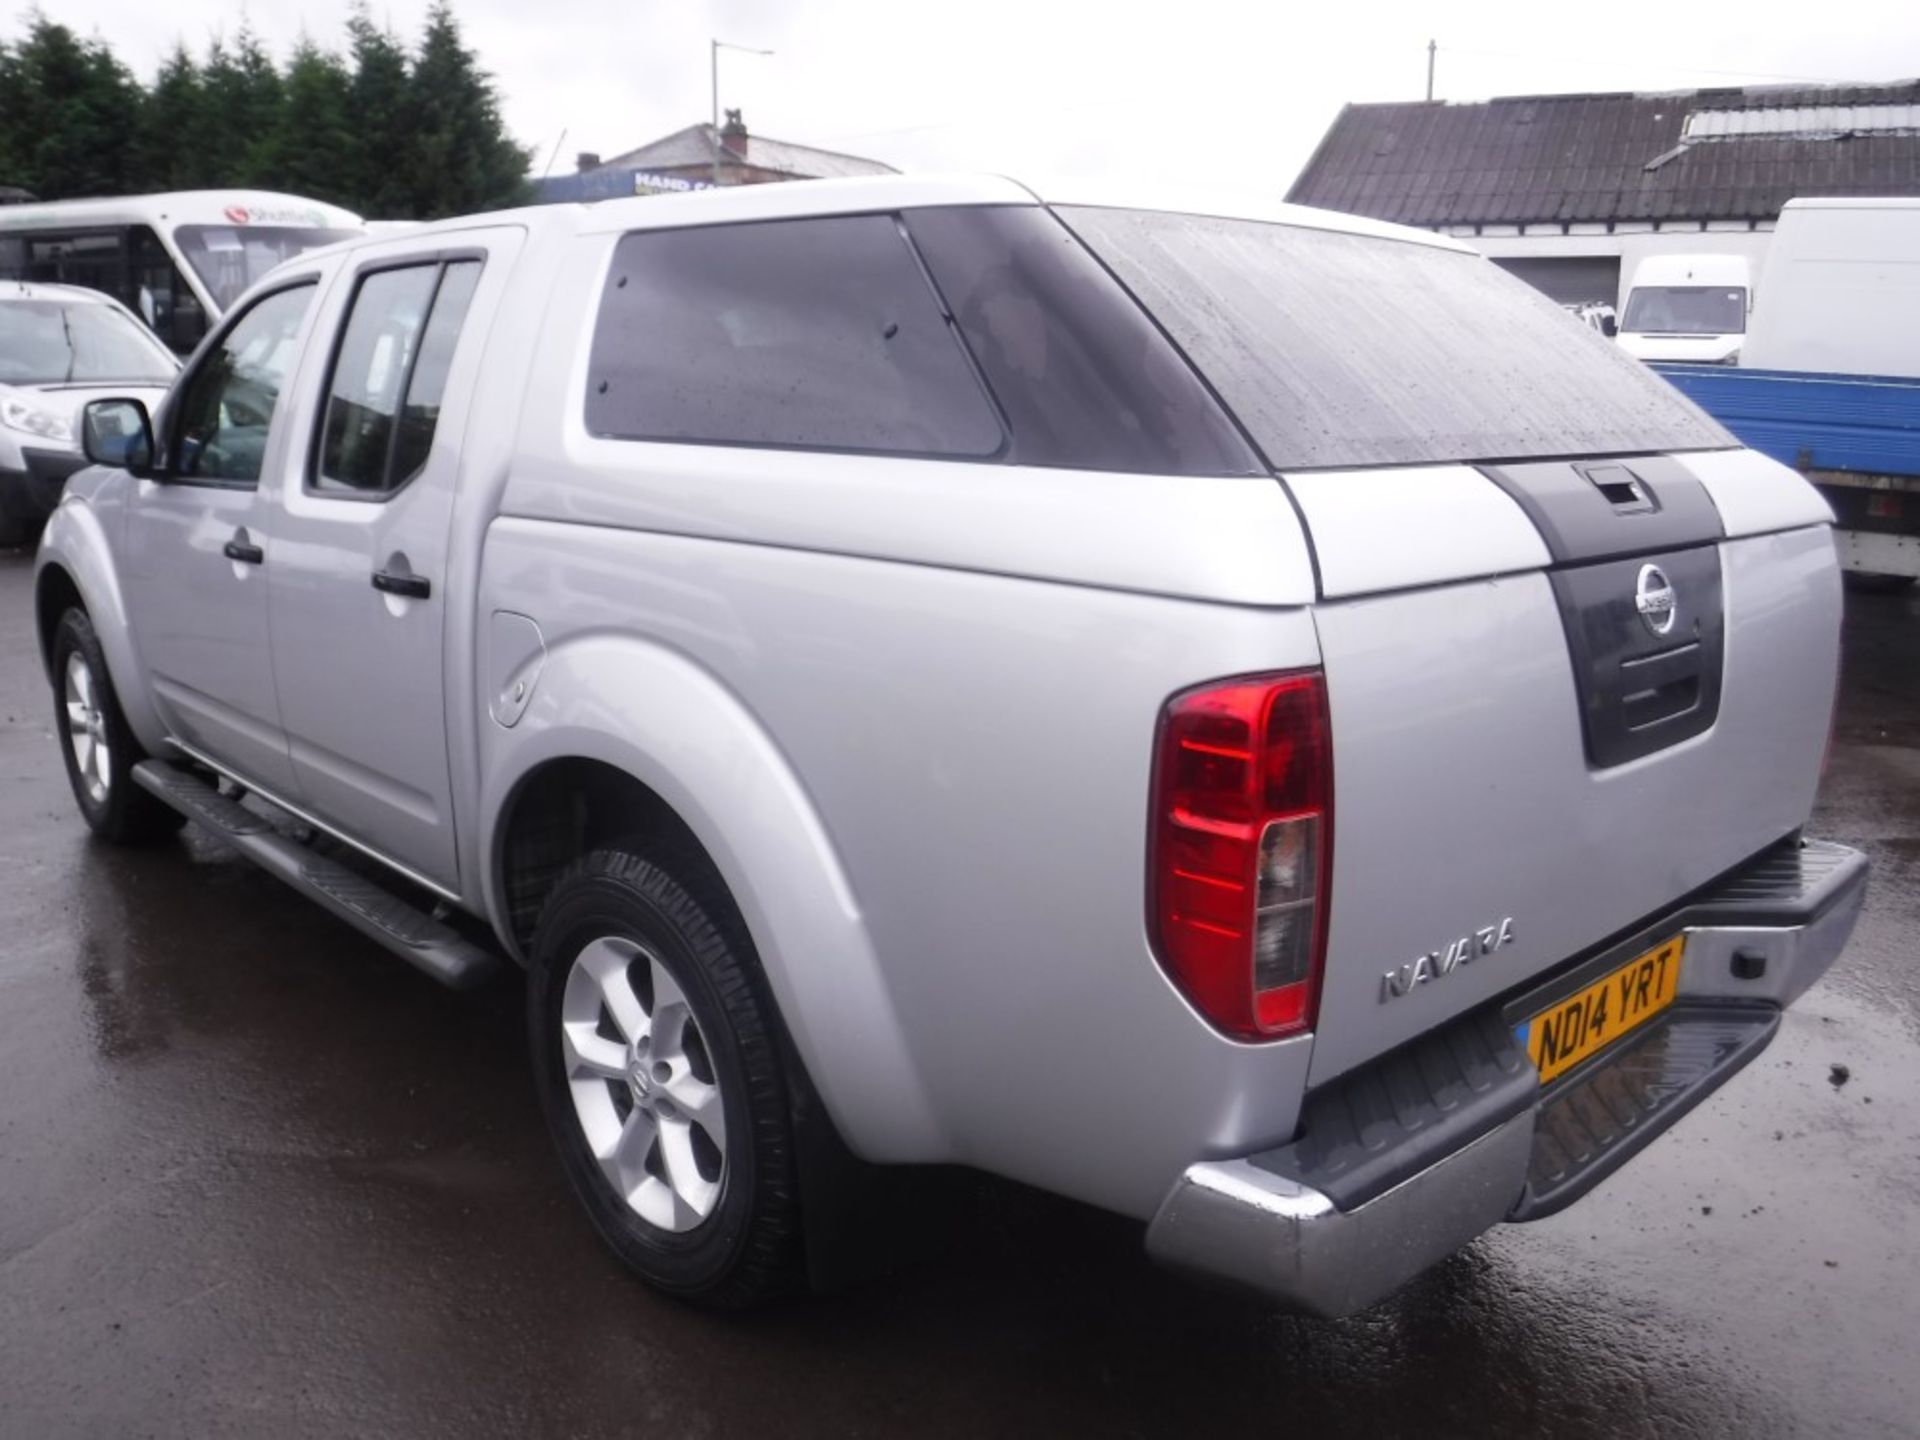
(359, 608)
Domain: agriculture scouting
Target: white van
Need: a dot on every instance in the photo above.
(1688, 308)
(1843, 290)
(177, 260)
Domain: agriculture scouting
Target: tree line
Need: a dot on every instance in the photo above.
(391, 131)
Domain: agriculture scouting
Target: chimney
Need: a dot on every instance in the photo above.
(586, 160)
(733, 135)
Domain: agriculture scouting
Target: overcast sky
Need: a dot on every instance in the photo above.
(1222, 95)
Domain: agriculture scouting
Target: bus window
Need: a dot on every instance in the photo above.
(229, 258)
(161, 295)
(96, 259)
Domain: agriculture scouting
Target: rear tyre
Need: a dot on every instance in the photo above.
(97, 744)
(660, 1078)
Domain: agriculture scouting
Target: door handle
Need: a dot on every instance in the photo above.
(413, 587)
(245, 553)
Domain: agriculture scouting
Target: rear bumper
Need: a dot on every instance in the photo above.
(1403, 1162)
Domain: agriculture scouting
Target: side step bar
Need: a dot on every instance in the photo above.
(404, 928)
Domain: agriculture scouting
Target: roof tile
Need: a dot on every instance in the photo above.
(1574, 158)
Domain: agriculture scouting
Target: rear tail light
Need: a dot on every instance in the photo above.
(1242, 837)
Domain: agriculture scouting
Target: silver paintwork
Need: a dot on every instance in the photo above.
(378, 767)
(1461, 782)
(1234, 1221)
(1755, 493)
(646, 1147)
(1413, 525)
(774, 698)
(86, 732)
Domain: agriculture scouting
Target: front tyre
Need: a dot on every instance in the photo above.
(96, 742)
(660, 1079)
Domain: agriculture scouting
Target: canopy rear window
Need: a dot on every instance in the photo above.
(1347, 350)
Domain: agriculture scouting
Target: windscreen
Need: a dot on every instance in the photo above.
(49, 342)
(229, 258)
(1687, 310)
(1344, 350)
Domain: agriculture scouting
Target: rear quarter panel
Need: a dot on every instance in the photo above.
(958, 669)
(974, 753)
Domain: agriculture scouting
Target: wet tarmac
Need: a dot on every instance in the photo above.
(258, 1178)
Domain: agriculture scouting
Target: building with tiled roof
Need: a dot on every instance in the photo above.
(1571, 190)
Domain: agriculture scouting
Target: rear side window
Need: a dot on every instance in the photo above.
(1344, 350)
(1085, 379)
(820, 333)
(383, 399)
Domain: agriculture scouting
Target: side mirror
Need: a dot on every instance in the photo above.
(118, 433)
(1609, 326)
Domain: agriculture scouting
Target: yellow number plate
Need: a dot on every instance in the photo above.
(1560, 1038)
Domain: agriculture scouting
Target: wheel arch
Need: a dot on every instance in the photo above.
(689, 769)
(75, 567)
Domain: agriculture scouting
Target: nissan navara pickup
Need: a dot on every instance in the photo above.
(1257, 722)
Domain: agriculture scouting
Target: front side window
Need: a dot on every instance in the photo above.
(54, 342)
(228, 404)
(1335, 349)
(229, 258)
(819, 333)
(383, 400)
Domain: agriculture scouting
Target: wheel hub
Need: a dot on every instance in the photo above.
(639, 1081)
(87, 729)
(643, 1085)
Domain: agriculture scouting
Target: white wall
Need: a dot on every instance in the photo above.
(1630, 246)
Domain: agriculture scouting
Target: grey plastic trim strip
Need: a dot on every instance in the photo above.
(1568, 505)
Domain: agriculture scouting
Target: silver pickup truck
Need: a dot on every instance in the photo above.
(1256, 722)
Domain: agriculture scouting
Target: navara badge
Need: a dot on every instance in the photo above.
(1438, 964)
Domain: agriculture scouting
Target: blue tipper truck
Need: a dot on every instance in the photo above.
(1829, 378)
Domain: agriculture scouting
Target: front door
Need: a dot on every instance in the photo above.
(358, 610)
(199, 544)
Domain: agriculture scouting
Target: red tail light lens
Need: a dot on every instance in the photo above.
(1242, 838)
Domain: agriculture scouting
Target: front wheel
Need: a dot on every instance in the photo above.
(660, 1079)
(96, 742)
